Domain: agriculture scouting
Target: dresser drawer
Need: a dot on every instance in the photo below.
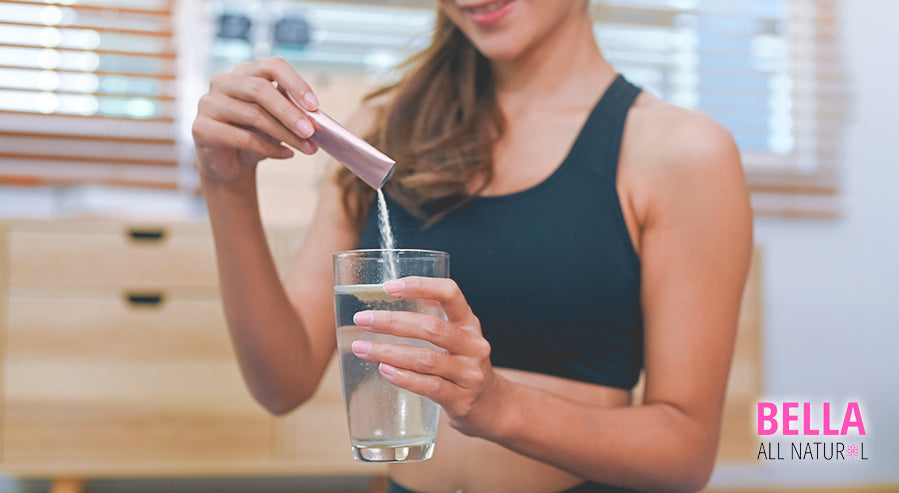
(318, 429)
(99, 253)
(105, 374)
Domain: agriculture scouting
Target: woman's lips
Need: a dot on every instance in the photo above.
(489, 12)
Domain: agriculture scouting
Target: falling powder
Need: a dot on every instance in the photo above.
(386, 237)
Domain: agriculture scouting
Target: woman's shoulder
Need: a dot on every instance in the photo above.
(663, 142)
(672, 154)
(682, 140)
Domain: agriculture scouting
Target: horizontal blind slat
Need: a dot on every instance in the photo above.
(158, 97)
(157, 75)
(86, 126)
(95, 137)
(26, 157)
(81, 148)
(29, 101)
(165, 12)
(65, 173)
(167, 120)
(87, 61)
(162, 54)
(101, 29)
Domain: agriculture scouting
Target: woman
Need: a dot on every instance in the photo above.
(594, 230)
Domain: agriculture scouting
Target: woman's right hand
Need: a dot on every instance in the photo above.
(245, 118)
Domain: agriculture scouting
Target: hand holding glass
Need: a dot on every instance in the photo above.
(387, 423)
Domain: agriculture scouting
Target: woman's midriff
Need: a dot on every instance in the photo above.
(474, 465)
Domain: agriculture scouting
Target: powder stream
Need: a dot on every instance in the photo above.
(386, 237)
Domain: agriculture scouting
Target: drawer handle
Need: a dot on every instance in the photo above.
(146, 235)
(144, 299)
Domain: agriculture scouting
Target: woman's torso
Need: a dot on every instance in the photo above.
(473, 465)
(589, 262)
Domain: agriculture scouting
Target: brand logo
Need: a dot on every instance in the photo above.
(811, 421)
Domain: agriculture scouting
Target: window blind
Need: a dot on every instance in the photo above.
(88, 87)
(768, 70)
(87, 92)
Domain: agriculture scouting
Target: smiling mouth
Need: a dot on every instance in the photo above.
(485, 8)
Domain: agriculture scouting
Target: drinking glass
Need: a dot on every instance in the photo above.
(386, 423)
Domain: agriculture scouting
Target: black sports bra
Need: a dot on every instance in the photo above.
(550, 271)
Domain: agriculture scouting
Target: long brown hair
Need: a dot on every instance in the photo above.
(440, 125)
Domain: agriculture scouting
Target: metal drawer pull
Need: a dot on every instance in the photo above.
(144, 299)
(146, 235)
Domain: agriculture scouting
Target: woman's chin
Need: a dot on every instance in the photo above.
(500, 50)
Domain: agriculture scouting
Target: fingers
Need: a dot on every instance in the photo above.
(461, 339)
(276, 69)
(439, 390)
(456, 379)
(247, 98)
(216, 132)
(261, 92)
(446, 291)
(238, 112)
(457, 401)
(422, 360)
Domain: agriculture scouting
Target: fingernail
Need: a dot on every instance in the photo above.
(363, 318)
(310, 101)
(304, 128)
(361, 347)
(387, 370)
(307, 147)
(394, 288)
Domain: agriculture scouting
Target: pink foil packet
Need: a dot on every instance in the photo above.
(371, 165)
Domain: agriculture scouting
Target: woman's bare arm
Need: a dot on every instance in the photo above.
(283, 333)
(695, 249)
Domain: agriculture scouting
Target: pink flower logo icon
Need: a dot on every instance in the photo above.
(852, 450)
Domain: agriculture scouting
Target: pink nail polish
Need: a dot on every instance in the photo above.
(311, 101)
(394, 288)
(387, 370)
(304, 128)
(308, 147)
(361, 347)
(364, 319)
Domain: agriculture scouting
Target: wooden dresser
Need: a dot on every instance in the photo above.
(116, 361)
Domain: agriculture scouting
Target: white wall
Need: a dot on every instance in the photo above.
(831, 288)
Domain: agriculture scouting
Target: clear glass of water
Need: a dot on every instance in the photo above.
(387, 423)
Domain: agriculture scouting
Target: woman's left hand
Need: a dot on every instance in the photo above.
(461, 379)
